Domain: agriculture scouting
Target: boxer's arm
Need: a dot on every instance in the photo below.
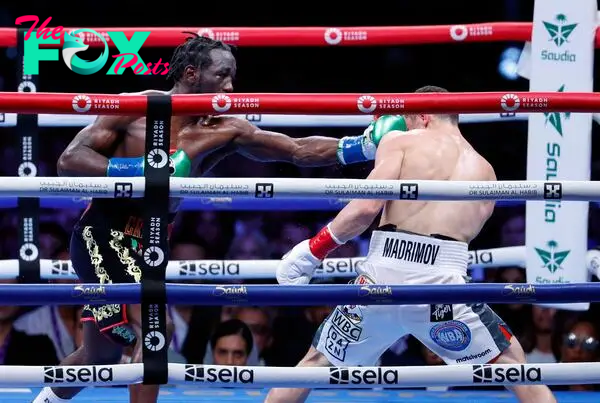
(358, 215)
(266, 146)
(86, 154)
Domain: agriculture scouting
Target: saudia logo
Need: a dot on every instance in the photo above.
(552, 258)
(375, 290)
(89, 292)
(555, 118)
(553, 159)
(559, 34)
(233, 291)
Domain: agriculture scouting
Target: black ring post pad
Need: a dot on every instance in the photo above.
(27, 130)
(154, 341)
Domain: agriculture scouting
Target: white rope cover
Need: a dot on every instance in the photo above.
(286, 188)
(259, 269)
(271, 120)
(307, 377)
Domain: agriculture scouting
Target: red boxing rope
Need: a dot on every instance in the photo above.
(321, 36)
(198, 104)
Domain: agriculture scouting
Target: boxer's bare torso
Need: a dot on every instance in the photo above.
(205, 140)
(439, 153)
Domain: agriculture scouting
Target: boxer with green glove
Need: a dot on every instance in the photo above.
(363, 148)
(106, 244)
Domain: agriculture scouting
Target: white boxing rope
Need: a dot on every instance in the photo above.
(265, 269)
(271, 120)
(197, 269)
(389, 377)
(259, 269)
(84, 375)
(307, 377)
(292, 188)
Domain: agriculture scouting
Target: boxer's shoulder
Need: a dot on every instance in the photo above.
(398, 138)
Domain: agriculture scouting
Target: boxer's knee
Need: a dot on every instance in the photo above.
(98, 348)
(314, 358)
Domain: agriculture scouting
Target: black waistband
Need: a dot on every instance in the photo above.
(118, 214)
(393, 228)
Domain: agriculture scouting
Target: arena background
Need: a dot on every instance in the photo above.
(457, 67)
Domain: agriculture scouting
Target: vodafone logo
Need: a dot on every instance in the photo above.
(82, 103)
(221, 103)
(333, 36)
(206, 32)
(510, 102)
(366, 104)
(458, 32)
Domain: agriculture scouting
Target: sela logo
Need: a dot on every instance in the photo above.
(512, 374)
(92, 374)
(61, 268)
(344, 376)
(480, 257)
(200, 373)
(195, 268)
(340, 265)
(74, 43)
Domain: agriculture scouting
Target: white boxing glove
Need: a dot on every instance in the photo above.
(297, 266)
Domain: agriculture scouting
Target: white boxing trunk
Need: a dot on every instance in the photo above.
(458, 333)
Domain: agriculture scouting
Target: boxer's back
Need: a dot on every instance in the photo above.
(439, 154)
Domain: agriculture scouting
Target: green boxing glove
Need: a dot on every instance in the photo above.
(363, 148)
(179, 165)
(384, 125)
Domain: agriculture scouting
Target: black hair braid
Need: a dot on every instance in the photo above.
(194, 51)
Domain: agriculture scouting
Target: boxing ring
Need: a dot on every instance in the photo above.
(196, 382)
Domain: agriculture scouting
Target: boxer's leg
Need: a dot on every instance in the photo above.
(127, 250)
(88, 259)
(143, 393)
(96, 350)
(473, 334)
(351, 335)
(297, 395)
(514, 354)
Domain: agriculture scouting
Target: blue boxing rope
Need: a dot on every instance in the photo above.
(278, 295)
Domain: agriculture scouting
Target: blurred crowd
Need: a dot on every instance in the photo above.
(272, 336)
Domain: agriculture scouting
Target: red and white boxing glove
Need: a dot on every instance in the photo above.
(298, 265)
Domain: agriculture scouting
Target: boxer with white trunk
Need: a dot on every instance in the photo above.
(417, 242)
